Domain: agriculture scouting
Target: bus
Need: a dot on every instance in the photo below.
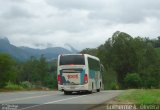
(79, 73)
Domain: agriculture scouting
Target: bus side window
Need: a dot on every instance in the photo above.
(102, 69)
(93, 64)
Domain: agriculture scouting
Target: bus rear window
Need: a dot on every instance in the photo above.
(72, 60)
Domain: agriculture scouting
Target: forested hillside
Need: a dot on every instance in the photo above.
(130, 62)
(31, 74)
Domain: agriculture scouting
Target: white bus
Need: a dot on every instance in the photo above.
(79, 73)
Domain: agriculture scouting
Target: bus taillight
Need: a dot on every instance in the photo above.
(85, 78)
(59, 79)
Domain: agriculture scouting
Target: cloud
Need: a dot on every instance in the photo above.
(79, 5)
(82, 24)
(127, 11)
(16, 12)
(119, 11)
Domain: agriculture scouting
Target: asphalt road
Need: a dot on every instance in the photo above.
(53, 100)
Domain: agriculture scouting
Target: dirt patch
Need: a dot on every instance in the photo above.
(109, 104)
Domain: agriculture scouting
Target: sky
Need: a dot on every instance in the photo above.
(80, 23)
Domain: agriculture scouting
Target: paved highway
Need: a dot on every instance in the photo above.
(53, 100)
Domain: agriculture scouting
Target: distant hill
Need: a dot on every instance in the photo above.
(24, 53)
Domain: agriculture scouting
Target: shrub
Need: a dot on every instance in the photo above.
(114, 86)
(26, 84)
(132, 80)
(151, 83)
(51, 82)
(12, 86)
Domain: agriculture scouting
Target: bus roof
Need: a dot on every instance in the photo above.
(87, 55)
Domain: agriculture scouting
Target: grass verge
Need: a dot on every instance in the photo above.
(12, 86)
(133, 97)
(23, 86)
(140, 96)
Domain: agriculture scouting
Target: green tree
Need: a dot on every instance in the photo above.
(118, 53)
(7, 71)
(42, 68)
(125, 54)
(29, 70)
(91, 51)
(132, 80)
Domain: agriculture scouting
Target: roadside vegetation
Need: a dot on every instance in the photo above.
(129, 62)
(34, 74)
(139, 96)
(140, 99)
(158, 50)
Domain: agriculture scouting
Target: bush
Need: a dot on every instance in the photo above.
(12, 86)
(26, 85)
(51, 82)
(114, 86)
(151, 83)
(132, 80)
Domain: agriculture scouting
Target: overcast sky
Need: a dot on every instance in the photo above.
(80, 23)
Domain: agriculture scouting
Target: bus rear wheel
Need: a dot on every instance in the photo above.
(67, 92)
(89, 92)
(98, 90)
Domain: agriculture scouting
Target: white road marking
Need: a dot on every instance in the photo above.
(63, 99)
(24, 92)
(52, 102)
(25, 98)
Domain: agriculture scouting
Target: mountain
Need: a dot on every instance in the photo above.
(49, 53)
(6, 47)
(24, 53)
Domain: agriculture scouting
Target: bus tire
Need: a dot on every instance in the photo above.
(67, 92)
(92, 89)
(90, 92)
(98, 90)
